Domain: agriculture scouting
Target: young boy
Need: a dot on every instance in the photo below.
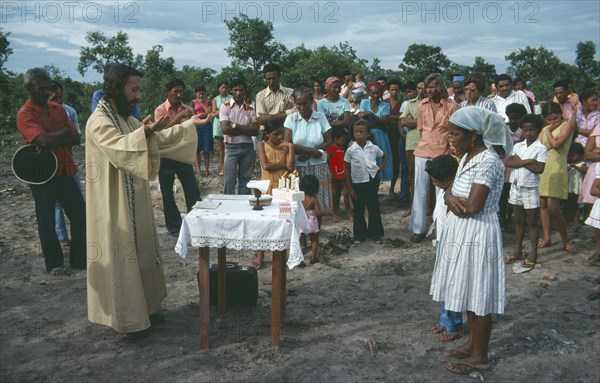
(361, 170)
(528, 160)
(514, 112)
(442, 170)
(337, 166)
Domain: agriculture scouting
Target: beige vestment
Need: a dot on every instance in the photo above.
(125, 279)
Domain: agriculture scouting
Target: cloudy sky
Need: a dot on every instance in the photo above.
(193, 32)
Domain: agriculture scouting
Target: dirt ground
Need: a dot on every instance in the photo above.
(360, 316)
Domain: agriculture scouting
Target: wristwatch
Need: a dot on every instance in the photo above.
(234, 125)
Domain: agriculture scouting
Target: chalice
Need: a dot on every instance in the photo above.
(257, 193)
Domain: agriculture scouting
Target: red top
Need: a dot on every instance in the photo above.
(33, 121)
(336, 163)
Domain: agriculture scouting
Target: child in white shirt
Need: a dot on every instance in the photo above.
(527, 160)
(361, 170)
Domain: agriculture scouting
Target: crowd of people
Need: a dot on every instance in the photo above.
(472, 163)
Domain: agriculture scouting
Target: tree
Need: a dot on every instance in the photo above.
(104, 50)
(5, 50)
(421, 60)
(193, 77)
(585, 61)
(541, 67)
(252, 44)
(319, 64)
(156, 71)
(481, 66)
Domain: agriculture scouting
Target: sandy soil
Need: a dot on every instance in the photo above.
(362, 316)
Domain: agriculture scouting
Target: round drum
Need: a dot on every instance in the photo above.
(33, 166)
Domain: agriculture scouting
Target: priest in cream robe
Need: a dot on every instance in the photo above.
(125, 283)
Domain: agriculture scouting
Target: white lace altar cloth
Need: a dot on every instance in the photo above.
(235, 225)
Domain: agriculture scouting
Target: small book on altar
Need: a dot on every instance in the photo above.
(207, 205)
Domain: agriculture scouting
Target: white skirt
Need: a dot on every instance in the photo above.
(469, 269)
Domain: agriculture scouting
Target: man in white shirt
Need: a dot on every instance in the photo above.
(506, 95)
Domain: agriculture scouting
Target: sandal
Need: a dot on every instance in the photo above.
(465, 368)
(449, 336)
(437, 328)
(527, 264)
(58, 272)
(510, 259)
(456, 353)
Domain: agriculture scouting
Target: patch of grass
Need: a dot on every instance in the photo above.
(339, 243)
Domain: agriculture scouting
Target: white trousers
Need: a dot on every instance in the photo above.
(418, 216)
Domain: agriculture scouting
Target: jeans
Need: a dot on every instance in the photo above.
(60, 225)
(65, 190)
(239, 165)
(166, 178)
(450, 320)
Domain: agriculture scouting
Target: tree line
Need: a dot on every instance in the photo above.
(252, 45)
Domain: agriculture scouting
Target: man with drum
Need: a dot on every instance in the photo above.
(45, 124)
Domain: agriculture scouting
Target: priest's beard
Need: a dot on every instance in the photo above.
(124, 106)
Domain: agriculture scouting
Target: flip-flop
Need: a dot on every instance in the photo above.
(464, 368)
(519, 268)
(510, 259)
(455, 353)
(58, 272)
(450, 336)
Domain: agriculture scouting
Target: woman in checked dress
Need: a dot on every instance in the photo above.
(469, 273)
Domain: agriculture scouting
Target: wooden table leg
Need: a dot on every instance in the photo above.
(283, 282)
(276, 297)
(204, 293)
(222, 280)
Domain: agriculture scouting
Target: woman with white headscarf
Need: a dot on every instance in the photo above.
(469, 271)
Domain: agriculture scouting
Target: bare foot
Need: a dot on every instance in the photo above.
(594, 259)
(569, 248)
(405, 214)
(544, 243)
(258, 261)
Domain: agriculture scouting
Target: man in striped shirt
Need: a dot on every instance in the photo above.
(275, 101)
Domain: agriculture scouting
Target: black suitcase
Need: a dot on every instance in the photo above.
(242, 284)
